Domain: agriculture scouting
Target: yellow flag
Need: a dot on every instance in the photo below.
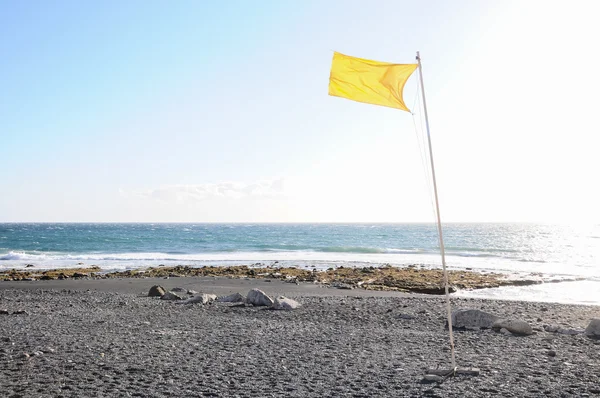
(373, 82)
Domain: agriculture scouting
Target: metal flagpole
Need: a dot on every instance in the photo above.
(437, 212)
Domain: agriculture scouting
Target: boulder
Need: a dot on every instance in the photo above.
(258, 298)
(156, 291)
(514, 326)
(593, 329)
(473, 319)
(201, 299)
(171, 296)
(232, 298)
(284, 303)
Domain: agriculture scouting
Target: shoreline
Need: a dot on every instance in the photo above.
(409, 279)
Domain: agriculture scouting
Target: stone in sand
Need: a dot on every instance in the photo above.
(156, 291)
(171, 296)
(515, 326)
(201, 298)
(561, 330)
(284, 303)
(259, 298)
(232, 298)
(473, 319)
(593, 329)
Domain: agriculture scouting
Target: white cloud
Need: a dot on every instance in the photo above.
(191, 193)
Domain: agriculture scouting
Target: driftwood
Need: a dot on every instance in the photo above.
(450, 372)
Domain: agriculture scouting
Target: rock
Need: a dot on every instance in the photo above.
(192, 292)
(232, 298)
(551, 353)
(179, 289)
(593, 329)
(472, 319)
(171, 296)
(340, 285)
(259, 298)
(560, 330)
(571, 332)
(4, 312)
(156, 291)
(514, 326)
(201, 298)
(284, 303)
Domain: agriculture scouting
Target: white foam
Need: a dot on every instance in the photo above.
(577, 292)
(312, 258)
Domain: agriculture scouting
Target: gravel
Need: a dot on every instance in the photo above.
(86, 343)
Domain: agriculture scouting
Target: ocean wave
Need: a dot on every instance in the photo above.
(529, 260)
(467, 254)
(284, 250)
(342, 249)
(11, 256)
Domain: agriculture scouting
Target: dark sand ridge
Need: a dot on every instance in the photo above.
(213, 285)
(104, 338)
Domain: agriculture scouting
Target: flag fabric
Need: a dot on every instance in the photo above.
(372, 82)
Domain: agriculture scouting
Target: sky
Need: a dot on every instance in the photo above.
(192, 111)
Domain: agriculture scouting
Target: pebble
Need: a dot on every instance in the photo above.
(323, 350)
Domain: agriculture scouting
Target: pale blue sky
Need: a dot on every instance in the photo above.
(218, 111)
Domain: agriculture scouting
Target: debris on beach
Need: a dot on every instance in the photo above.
(409, 279)
(440, 375)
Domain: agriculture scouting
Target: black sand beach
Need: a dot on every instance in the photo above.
(106, 338)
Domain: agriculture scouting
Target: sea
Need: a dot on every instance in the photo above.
(546, 251)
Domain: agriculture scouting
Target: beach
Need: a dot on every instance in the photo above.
(107, 338)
